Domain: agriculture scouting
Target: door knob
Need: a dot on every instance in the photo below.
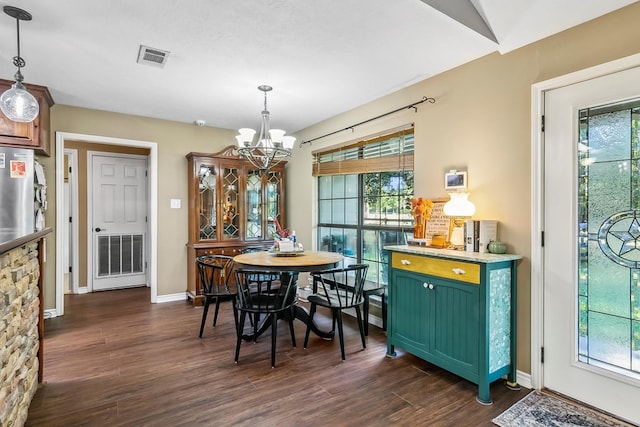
(98, 229)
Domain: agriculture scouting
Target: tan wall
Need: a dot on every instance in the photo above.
(81, 176)
(174, 141)
(480, 122)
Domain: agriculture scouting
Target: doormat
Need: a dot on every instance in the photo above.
(542, 409)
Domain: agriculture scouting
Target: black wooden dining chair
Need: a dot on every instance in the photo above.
(339, 289)
(265, 296)
(216, 273)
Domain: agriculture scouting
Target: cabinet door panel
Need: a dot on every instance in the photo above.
(230, 209)
(274, 190)
(254, 215)
(409, 310)
(15, 129)
(207, 202)
(455, 321)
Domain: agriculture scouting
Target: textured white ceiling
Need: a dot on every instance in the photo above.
(322, 57)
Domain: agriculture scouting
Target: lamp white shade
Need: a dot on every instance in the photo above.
(18, 104)
(459, 205)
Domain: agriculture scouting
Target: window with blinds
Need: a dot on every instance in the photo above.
(379, 154)
(363, 189)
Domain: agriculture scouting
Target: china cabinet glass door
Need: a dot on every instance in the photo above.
(272, 194)
(207, 199)
(230, 211)
(254, 204)
(264, 191)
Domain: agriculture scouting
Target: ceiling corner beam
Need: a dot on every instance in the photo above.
(464, 12)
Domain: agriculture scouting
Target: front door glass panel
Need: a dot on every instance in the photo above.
(609, 237)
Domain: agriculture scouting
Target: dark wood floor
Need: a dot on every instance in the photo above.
(114, 359)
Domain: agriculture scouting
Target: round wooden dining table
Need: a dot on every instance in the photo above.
(295, 262)
(307, 261)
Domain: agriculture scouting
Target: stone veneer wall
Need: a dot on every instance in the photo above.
(19, 311)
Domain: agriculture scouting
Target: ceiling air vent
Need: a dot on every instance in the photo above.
(150, 56)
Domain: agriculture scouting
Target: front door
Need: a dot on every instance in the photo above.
(118, 221)
(592, 243)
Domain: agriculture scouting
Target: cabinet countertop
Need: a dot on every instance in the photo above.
(453, 254)
(12, 244)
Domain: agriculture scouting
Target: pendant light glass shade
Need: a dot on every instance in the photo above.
(18, 104)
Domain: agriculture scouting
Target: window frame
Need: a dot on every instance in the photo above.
(399, 163)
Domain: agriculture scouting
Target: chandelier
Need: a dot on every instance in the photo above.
(16, 103)
(271, 147)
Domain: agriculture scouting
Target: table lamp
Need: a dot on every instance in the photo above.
(458, 207)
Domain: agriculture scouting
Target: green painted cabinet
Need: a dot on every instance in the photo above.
(455, 310)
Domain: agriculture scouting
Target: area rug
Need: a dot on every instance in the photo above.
(542, 409)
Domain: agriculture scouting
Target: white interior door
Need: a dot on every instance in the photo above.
(592, 243)
(119, 220)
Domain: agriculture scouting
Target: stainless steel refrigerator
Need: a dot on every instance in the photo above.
(17, 214)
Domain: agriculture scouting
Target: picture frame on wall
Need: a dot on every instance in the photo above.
(455, 180)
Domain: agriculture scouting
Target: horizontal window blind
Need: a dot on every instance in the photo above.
(384, 153)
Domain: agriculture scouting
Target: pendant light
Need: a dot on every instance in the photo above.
(271, 147)
(16, 103)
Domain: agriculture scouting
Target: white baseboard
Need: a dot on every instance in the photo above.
(523, 379)
(181, 296)
(50, 313)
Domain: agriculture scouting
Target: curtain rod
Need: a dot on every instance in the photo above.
(406, 107)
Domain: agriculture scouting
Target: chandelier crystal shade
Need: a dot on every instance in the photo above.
(272, 145)
(16, 103)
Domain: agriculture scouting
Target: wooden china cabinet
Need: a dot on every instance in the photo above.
(232, 206)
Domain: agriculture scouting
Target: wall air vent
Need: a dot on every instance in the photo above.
(151, 56)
